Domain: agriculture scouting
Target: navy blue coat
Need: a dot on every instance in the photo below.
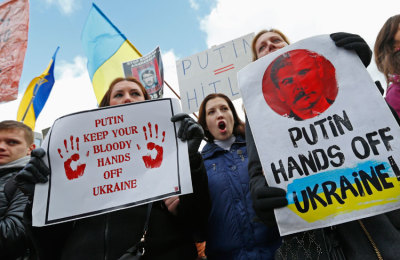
(232, 231)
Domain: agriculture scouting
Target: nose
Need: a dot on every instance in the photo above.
(128, 99)
(219, 114)
(271, 47)
(2, 146)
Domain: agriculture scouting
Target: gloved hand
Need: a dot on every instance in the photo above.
(265, 200)
(34, 172)
(353, 42)
(189, 131)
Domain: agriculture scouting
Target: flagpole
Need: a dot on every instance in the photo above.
(31, 101)
(176, 94)
(26, 111)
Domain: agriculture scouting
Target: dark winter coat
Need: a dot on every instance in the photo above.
(355, 240)
(108, 236)
(12, 204)
(232, 231)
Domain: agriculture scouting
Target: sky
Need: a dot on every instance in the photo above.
(181, 28)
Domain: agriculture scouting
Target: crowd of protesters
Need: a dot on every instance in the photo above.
(231, 209)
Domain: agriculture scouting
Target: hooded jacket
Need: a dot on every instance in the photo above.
(12, 205)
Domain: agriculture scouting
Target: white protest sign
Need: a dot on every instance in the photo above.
(323, 133)
(212, 71)
(112, 158)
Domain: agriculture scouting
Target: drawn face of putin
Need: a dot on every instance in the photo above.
(299, 80)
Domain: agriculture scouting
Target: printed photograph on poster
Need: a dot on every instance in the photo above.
(149, 70)
(323, 133)
(112, 158)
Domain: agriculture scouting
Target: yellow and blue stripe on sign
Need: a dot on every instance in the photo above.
(331, 193)
(106, 49)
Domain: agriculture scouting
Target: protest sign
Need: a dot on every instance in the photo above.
(14, 24)
(112, 158)
(149, 70)
(212, 71)
(323, 133)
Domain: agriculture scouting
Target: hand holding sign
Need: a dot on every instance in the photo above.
(34, 172)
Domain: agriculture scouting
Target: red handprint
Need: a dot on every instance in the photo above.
(148, 161)
(80, 168)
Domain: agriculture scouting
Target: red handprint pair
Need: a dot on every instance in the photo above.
(148, 161)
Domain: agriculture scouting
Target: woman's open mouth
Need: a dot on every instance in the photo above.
(222, 126)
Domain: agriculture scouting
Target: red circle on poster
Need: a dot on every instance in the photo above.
(300, 84)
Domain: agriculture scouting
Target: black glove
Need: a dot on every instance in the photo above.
(34, 172)
(353, 42)
(265, 200)
(189, 131)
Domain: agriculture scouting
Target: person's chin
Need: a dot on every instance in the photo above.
(222, 136)
(3, 160)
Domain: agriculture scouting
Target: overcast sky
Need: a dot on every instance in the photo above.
(208, 23)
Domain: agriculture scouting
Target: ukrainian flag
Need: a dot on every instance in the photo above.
(36, 95)
(106, 49)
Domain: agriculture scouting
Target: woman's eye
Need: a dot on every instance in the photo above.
(135, 94)
(118, 95)
(261, 48)
(277, 41)
(210, 112)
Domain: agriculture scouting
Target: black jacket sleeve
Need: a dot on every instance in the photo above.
(194, 208)
(256, 173)
(46, 242)
(12, 231)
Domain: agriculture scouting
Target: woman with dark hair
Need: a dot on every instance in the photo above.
(361, 239)
(172, 222)
(387, 58)
(233, 232)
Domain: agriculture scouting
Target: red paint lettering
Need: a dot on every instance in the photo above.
(111, 120)
(101, 148)
(95, 136)
(118, 186)
(120, 158)
(130, 130)
(111, 174)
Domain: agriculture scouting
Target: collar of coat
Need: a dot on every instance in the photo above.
(211, 148)
(15, 165)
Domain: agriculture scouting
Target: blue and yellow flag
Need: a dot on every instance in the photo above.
(106, 49)
(36, 95)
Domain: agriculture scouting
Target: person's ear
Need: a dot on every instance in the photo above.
(31, 148)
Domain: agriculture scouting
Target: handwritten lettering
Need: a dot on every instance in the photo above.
(102, 148)
(95, 136)
(110, 120)
(118, 186)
